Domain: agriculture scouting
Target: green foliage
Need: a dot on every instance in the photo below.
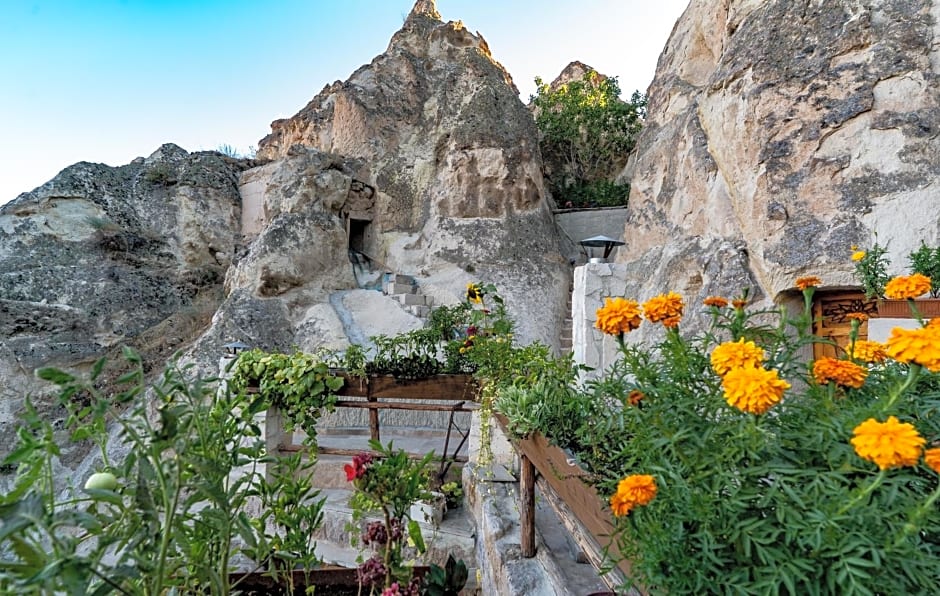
(871, 268)
(160, 174)
(587, 131)
(926, 261)
(410, 355)
(181, 496)
(300, 385)
(453, 494)
(390, 481)
(770, 503)
(447, 580)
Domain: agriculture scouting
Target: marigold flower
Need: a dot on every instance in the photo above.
(716, 301)
(635, 397)
(808, 282)
(474, 293)
(753, 390)
(858, 255)
(739, 303)
(932, 459)
(888, 444)
(920, 346)
(868, 351)
(903, 287)
(857, 316)
(736, 354)
(665, 308)
(618, 315)
(633, 490)
(842, 372)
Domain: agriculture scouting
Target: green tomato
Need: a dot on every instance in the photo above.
(101, 481)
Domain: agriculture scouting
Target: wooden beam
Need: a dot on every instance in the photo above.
(527, 506)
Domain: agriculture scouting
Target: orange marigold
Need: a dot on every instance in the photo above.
(888, 444)
(920, 346)
(868, 351)
(633, 490)
(635, 397)
(932, 459)
(618, 315)
(753, 390)
(739, 303)
(808, 282)
(736, 354)
(857, 316)
(665, 308)
(841, 372)
(903, 287)
(716, 301)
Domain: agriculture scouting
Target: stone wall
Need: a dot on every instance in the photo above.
(578, 224)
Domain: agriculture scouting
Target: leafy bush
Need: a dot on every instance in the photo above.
(734, 467)
(587, 132)
(168, 517)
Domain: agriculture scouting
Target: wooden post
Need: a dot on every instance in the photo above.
(374, 421)
(527, 506)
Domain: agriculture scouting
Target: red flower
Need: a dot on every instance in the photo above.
(358, 467)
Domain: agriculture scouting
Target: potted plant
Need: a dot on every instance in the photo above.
(902, 296)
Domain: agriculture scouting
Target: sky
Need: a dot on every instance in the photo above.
(110, 80)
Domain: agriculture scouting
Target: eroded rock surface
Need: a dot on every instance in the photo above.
(780, 134)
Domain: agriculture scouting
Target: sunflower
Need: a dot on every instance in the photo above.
(888, 444)
(474, 293)
(753, 390)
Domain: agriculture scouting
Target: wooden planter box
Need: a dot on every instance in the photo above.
(901, 309)
(582, 510)
(326, 581)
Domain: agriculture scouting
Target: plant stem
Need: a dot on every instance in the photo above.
(912, 374)
(911, 526)
(867, 491)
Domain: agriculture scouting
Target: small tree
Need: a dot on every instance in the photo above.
(587, 132)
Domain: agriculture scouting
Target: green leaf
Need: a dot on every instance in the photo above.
(54, 375)
(414, 532)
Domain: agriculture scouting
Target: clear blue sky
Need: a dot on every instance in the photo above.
(109, 80)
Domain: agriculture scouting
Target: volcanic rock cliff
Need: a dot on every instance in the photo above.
(780, 134)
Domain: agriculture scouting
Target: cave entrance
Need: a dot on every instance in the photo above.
(357, 233)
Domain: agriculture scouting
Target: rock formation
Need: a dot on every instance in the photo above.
(101, 257)
(452, 156)
(780, 134)
(424, 160)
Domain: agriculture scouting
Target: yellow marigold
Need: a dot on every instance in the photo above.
(753, 390)
(618, 315)
(932, 459)
(858, 255)
(920, 346)
(868, 351)
(716, 301)
(808, 282)
(474, 293)
(665, 308)
(842, 372)
(903, 287)
(888, 444)
(633, 490)
(736, 354)
(857, 316)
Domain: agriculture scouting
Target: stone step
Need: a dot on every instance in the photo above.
(419, 311)
(411, 299)
(393, 288)
(455, 535)
(398, 278)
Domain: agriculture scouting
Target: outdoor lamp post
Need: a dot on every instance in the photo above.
(604, 242)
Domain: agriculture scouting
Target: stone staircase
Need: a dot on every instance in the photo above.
(565, 340)
(404, 289)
